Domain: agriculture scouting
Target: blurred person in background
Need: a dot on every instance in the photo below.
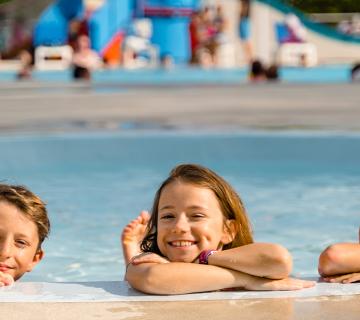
(84, 59)
(26, 64)
(355, 72)
(245, 29)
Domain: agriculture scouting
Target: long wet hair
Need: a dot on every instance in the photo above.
(230, 203)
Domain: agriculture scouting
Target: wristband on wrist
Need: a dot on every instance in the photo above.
(204, 256)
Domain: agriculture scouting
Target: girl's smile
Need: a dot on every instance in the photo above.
(189, 221)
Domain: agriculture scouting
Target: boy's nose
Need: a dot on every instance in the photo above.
(5, 250)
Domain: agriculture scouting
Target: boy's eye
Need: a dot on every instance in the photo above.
(21, 243)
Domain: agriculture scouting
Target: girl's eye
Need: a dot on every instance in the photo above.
(167, 216)
(198, 215)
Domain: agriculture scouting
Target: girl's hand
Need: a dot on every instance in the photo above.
(148, 257)
(6, 279)
(287, 284)
(345, 278)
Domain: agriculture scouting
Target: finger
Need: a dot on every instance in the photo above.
(309, 284)
(338, 279)
(352, 278)
(144, 257)
(8, 281)
(145, 216)
(330, 279)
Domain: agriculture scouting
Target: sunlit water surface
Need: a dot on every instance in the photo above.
(300, 190)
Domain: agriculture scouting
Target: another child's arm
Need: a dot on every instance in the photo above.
(181, 278)
(5, 279)
(258, 259)
(340, 263)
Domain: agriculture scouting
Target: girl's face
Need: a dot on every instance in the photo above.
(189, 221)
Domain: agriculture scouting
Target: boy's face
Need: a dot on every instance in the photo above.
(19, 242)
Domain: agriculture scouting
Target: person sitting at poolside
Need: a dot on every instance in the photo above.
(85, 59)
(341, 262)
(24, 225)
(199, 239)
(355, 72)
(257, 72)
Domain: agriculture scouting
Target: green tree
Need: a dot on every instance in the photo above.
(325, 6)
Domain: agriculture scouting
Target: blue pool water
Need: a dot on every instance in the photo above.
(339, 73)
(301, 190)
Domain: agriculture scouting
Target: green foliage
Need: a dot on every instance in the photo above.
(2, 1)
(325, 6)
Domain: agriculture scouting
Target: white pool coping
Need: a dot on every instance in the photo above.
(120, 291)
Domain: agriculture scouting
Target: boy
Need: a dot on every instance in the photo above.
(24, 225)
(341, 263)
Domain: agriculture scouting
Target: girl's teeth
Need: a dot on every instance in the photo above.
(182, 243)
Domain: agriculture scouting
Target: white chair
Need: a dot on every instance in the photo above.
(53, 58)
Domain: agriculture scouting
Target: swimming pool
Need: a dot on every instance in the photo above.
(300, 189)
(337, 73)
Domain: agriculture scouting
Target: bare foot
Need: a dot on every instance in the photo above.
(132, 235)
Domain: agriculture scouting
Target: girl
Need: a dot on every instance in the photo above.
(199, 239)
(341, 263)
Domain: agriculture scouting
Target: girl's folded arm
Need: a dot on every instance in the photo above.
(180, 278)
(259, 259)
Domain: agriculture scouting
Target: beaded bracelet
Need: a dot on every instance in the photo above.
(204, 256)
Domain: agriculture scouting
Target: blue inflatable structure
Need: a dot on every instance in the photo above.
(170, 20)
(53, 25)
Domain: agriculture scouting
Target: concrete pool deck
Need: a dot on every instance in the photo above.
(49, 107)
(115, 300)
(329, 308)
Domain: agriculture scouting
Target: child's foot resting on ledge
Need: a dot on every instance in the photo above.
(5, 279)
(133, 234)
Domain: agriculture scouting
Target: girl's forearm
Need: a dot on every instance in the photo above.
(181, 278)
(259, 259)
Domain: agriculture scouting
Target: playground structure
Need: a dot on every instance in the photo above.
(110, 21)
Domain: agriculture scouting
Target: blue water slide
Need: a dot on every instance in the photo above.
(170, 20)
(321, 29)
(52, 27)
(113, 17)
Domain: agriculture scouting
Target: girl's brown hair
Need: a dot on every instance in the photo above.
(30, 205)
(229, 201)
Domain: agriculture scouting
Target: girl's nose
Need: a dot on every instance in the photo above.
(181, 224)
